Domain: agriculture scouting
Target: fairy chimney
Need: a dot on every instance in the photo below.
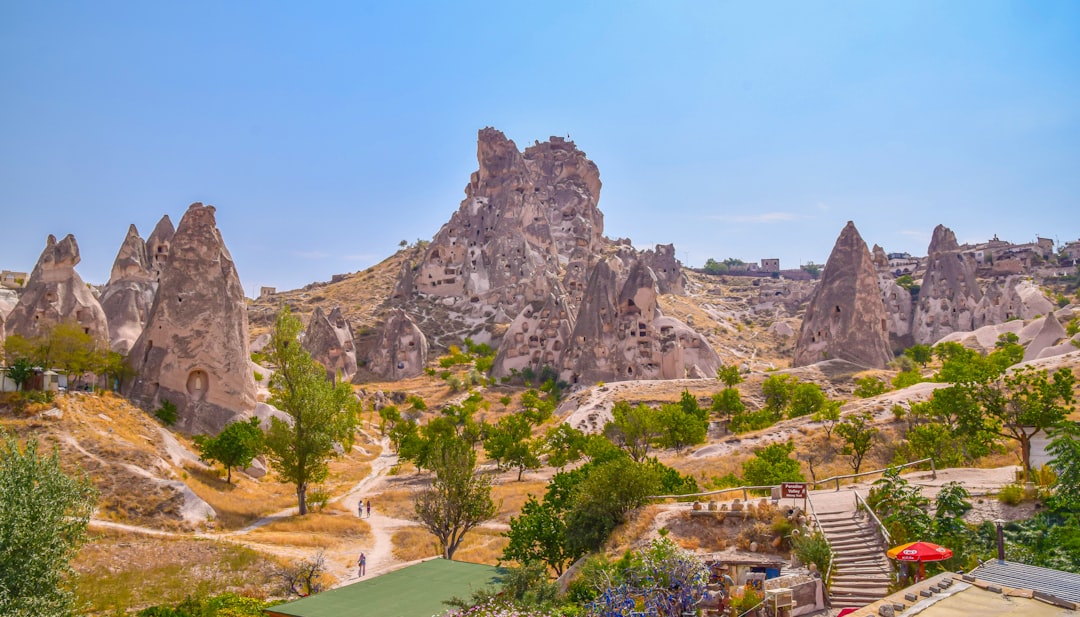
(129, 294)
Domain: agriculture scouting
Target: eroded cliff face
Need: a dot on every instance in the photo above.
(129, 294)
(523, 264)
(329, 340)
(401, 350)
(55, 294)
(194, 350)
(846, 316)
(949, 293)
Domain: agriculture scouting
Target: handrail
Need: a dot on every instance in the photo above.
(825, 576)
(933, 471)
(884, 532)
(812, 483)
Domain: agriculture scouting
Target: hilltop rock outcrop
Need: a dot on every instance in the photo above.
(1014, 297)
(194, 349)
(949, 293)
(402, 349)
(56, 293)
(129, 294)
(329, 340)
(158, 244)
(846, 318)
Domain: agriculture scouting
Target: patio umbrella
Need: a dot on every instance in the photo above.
(920, 552)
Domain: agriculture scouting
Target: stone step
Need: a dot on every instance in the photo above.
(859, 538)
(860, 582)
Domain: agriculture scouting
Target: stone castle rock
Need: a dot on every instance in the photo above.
(194, 349)
(129, 294)
(401, 350)
(55, 294)
(329, 340)
(846, 317)
(949, 293)
(523, 265)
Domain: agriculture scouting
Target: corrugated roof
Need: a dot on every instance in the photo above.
(1064, 585)
(415, 591)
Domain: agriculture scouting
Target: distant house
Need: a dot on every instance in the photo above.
(267, 291)
(414, 591)
(9, 279)
(770, 265)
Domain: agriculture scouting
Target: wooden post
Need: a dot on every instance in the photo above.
(933, 469)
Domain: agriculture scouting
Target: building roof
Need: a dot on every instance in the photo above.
(415, 591)
(1064, 585)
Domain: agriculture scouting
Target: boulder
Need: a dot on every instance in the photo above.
(329, 340)
(1050, 333)
(56, 293)
(949, 293)
(129, 294)
(846, 317)
(401, 351)
(194, 349)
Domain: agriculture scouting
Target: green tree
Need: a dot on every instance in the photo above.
(458, 500)
(1025, 402)
(679, 428)
(20, 372)
(18, 347)
(71, 350)
(828, 416)
(564, 444)
(321, 414)
(117, 369)
(539, 534)
(601, 500)
(389, 416)
(729, 375)
(535, 408)
(920, 354)
(43, 518)
(1065, 448)
(772, 465)
(778, 390)
(633, 429)
(727, 403)
(806, 399)
(859, 435)
(508, 443)
(869, 387)
(235, 446)
(813, 269)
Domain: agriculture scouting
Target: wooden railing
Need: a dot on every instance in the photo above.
(837, 479)
(884, 532)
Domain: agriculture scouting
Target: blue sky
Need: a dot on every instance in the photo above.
(325, 133)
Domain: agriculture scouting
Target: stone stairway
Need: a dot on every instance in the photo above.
(861, 571)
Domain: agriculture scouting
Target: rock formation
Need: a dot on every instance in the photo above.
(56, 293)
(949, 293)
(845, 318)
(329, 340)
(899, 307)
(194, 349)
(1050, 333)
(129, 294)
(620, 332)
(881, 259)
(401, 351)
(158, 244)
(1014, 297)
(523, 264)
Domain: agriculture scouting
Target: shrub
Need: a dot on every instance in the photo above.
(812, 548)
(868, 387)
(166, 413)
(1011, 494)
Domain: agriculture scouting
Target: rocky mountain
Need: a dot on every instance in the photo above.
(56, 293)
(194, 350)
(129, 294)
(524, 257)
(846, 317)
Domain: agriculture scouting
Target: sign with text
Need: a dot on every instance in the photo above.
(793, 490)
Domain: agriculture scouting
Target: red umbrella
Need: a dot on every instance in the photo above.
(920, 552)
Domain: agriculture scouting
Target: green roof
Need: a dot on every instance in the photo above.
(415, 591)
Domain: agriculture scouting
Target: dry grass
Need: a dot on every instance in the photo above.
(395, 503)
(412, 543)
(317, 529)
(242, 502)
(511, 496)
(637, 527)
(482, 546)
(119, 571)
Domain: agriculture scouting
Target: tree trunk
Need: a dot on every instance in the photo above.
(228, 474)
(1025, 455)
(301, 497)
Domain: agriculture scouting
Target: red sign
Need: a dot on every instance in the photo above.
(793, 490)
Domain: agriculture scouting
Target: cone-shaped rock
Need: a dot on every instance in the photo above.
(1050, 334)
(401, 351)
(949, 293)
(329, 341)
(157, 245)
(129, 295)
(56, 293)
(845, 318)
(194, 349)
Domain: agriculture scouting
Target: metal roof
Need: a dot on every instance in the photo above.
(1064, 585)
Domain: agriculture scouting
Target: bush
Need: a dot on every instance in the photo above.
(869, 387)
(1011, 494)
(812, 548)
(166, 413)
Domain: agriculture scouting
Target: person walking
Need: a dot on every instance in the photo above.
(361, 565)
(360, 509)
(369, 508)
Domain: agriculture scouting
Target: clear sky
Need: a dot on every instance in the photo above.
(325, 133)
